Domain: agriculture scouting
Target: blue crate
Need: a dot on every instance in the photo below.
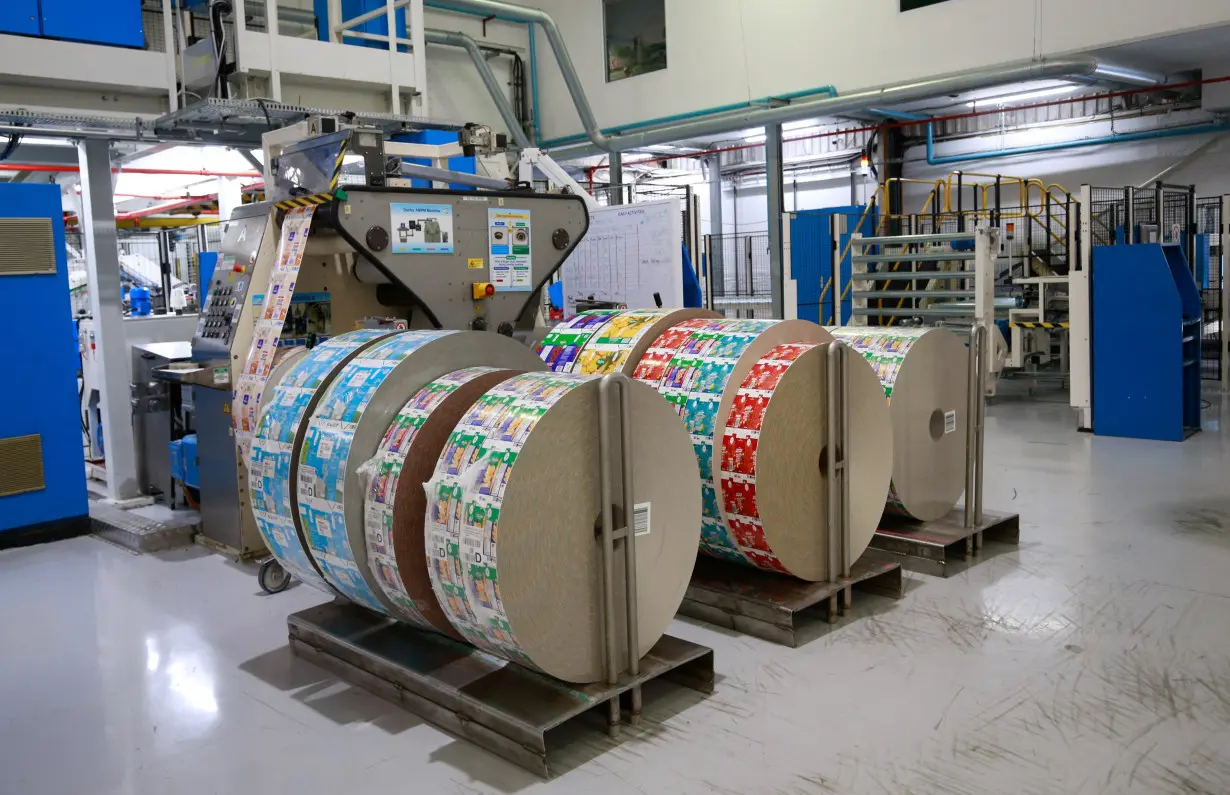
(192, 473)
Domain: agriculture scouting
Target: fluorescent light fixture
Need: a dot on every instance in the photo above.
(799, 125)
(1024, 95)
(755, 139)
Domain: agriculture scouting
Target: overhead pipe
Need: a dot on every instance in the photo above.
(1146, 135)
(571, 79)
(458, 39)
(181, 172)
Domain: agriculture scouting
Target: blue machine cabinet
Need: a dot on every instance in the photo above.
(19, 16)
(39, 397)
(1146, 343)
(114, 22)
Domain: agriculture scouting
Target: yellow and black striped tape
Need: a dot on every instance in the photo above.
(337, 166)
(1040, 325)
(314, 200)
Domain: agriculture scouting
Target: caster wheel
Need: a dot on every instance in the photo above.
(272, 577)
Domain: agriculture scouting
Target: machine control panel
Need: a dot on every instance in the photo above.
(222, 307)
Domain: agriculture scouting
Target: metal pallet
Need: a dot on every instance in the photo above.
(779, 608)
(934, 547)
(500, 706)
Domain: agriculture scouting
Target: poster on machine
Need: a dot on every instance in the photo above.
(246, 397)
(508, 235)
(421, 228)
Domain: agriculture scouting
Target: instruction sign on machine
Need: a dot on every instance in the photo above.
(421, 228)
(509, 239)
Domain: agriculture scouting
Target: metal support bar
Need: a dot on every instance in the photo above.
(616, 172)
(774, 195)
(975, 409)
(919, 294)
(452, 177)
(1224, 329)
(627, 534)
(912, 256)
(835, 459)
(904, 240)
(908, 276)
(103, 273)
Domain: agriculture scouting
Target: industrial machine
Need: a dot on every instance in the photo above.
(457, 274)
(42, 479)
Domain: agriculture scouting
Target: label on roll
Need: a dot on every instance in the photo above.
(269, 462)
(703, 354)
(250, 384)
(561, 347)
(382, 473)
(326, 455)
(739, 448)
(464, 498)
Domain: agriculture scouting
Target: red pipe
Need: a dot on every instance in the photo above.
(43, 168)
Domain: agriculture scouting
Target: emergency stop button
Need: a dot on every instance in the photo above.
(482, 290)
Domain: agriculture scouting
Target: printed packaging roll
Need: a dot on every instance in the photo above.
(562, 345)
(395, 500)
(346, 428)
(619, 344)
(773, 483)
(292, 393)
(697, 365)
(513, 517)
(925, 376)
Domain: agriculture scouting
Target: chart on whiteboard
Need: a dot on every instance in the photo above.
(630, 253)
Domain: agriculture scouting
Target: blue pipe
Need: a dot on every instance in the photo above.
(533, 30)
(1147, 135)
(695, 114)
(899, 115)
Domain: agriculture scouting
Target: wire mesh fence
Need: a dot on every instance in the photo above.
(739, 275)
(1209, 225)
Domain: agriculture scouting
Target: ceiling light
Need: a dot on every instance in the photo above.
(1021, 96)
(799, 125)
(755, 139)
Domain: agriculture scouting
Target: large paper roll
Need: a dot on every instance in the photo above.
(772, 479)
(562, 345)
(514, 515)
(346, 428)
(395, 500)
(708, 359)
(294, 389)
(619, 344)
(925, 376)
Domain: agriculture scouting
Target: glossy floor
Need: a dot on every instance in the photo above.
(1095, 658)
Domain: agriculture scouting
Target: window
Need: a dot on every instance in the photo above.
(635, 37)
(910, 5)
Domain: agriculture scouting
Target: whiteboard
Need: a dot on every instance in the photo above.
(630, 252)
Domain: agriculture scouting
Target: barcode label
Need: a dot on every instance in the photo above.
(950, 421)
(640, 519)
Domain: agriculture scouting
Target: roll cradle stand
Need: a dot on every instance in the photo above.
(500, 706)
(780, 608)
(955, 540)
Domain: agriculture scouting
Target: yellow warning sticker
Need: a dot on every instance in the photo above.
(474, 263)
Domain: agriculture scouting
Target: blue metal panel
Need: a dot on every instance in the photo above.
(811, 258)
(205, 264)
(466, 165)
(19, 16)
(1146, 364)
(115, 22)
(40, 391)
(1203, 252)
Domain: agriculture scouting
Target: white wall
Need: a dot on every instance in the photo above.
(730, 51)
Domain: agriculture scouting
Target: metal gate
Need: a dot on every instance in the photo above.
(1209, 252)
(737, 280)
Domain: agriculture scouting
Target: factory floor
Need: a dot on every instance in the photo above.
(1093, 659)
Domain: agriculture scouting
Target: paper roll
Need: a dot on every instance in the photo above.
(513, 518)
(619, 344)
(925, 376)
(562, 345)
(708, 359)
(772, 479)
(346, 428)
(294, 389)
(395, 500)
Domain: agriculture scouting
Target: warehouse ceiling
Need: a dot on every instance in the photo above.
(1192, 50)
